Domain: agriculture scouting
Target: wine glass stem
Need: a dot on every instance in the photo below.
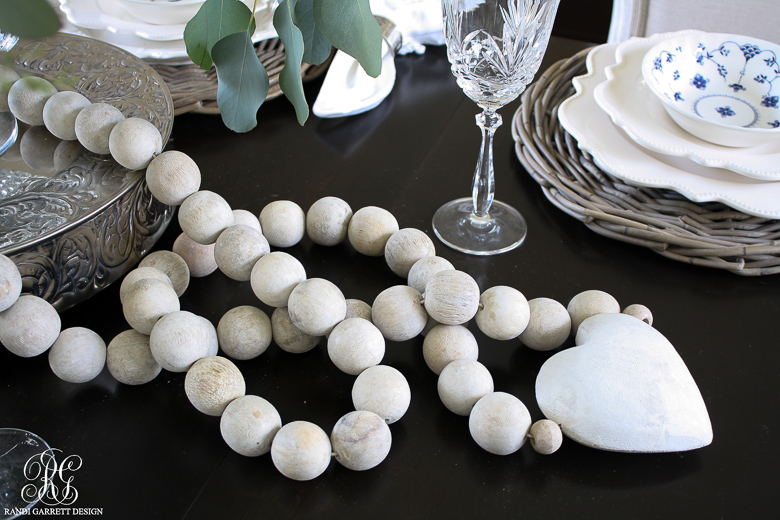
(484, 187)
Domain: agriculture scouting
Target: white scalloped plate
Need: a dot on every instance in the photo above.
(632, 106)
(617, 154)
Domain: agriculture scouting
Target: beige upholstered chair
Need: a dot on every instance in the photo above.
(757, 18)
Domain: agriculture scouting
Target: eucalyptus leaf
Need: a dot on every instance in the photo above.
(243, 82)
(290, 77)
(28, 18)
(350, 26)
(215, 20)
(316, 47)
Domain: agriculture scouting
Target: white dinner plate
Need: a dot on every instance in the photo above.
(620, 156)
(634, 108)
(108, 15)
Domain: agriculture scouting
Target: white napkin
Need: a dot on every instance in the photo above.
(347, 89)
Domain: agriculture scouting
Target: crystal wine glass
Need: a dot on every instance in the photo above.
(495, 48)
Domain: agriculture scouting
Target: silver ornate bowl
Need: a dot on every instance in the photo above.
(74, 221)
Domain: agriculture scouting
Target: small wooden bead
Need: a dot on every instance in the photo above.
(60, 111)
(8, 77)
(129, 358)
(383, 390)
(147, 301)
(237, 249)
(462, 383)
(358, 309)
(639, 312)
(78, 355)
(424, 269)
(327, 221)
(301, 450)
(398, 313)
(446, 343)
(179, 339)
(548, 327)
(361, 440)
(451, 297)
(499, 423)
(504, 313)
(94, 125)
(316, 306)
(212, 383)
(283, 223)
(141, 273)
(172, 265)
(589, 303)
(249, 424)
(172, 176)
(29, 326)
(274, 276)
(244, 332)
(289, 337)
(246, 218)
(134, 142)
(354, 345)
(27, 97)
(10, 282)
(369, 230)
(204, 215)
(405, 247)
(546, 437)
(199, 258)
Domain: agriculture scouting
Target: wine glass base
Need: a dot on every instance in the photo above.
(456, 225)
(18, 449)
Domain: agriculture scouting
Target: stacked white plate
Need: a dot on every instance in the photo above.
(108, 21)
(616, 118)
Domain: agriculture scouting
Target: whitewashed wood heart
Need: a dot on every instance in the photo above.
(623, 388)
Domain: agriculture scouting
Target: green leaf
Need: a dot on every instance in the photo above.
(290, 77)
(215, 20)
(316, 47)
(28, 18)
(243, 82)
(350, 26)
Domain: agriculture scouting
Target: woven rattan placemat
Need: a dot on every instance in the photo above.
(706, 234)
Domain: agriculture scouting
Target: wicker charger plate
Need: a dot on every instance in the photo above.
(707, 234)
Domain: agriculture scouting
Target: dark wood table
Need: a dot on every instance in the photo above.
(147, 453)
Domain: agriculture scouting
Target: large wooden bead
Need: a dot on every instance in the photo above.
(355, 344)
(503, 313)
(590, 303)
(129, 358)
(8, 77)
(327, 221)
(10, 282)
(446, 343)
(499, 423)
(141, 273)
(546, 436)
(361, 440)
(237, 249)
(27, 97)
(249, 424)
(549, 325)
(173, 265)
(424, 269)
(199, 258)
(244, 332)
(451, 297)
(289, 337)
(134, 142)
(383, 390)
(246, 218)
(60, 112)
(29, 326)
(147, 301)
(78, 355)
(405, 247)
(301, 450)
(398, 313)
(274, 276)
(204, 215)
(283, 223)
(358, 309)
(369, 230)
(316, 306)
(462, 383)
(94, 125)
(179, 339)
(172, 176)
(212, 383)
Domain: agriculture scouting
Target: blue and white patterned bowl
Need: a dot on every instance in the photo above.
(722, 88)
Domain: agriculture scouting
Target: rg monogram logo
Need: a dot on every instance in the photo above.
(50, 480)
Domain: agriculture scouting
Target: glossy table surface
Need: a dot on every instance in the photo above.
(147, 453)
